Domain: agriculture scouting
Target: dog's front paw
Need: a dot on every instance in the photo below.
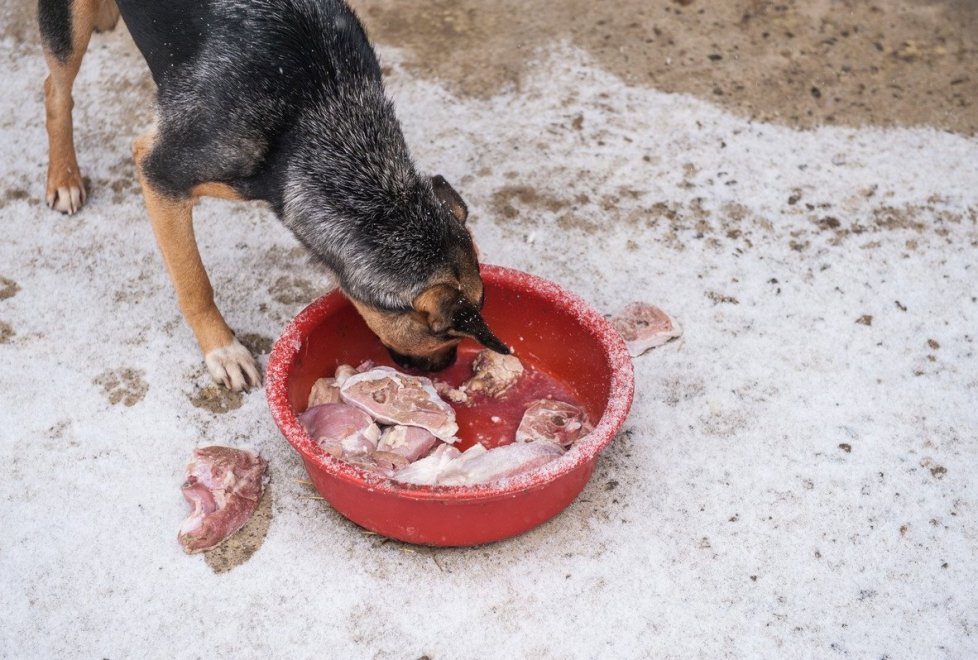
(65, 189)
(233, 366)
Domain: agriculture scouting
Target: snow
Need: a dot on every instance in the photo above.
(776, 488)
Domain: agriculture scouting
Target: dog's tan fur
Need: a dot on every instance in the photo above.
(172, 220)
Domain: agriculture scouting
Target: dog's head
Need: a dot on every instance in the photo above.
(447, 307)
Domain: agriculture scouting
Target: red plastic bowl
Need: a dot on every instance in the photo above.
(545, 324)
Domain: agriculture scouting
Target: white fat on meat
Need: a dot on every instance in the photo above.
(408, 442)
(644, 327)
(453, 394)
(224, 486)
(391, 397)
(324, 390)
(553, 421)
(493, 373)
(427, 470)
(479, 467)
(343, 372)
(341, 430)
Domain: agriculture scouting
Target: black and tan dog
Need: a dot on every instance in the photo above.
(281, 101)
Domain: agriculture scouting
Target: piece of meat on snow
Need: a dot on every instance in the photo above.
(493, 373)
(644, 327)
(409, 442)
(498, 463)
(341, 430)
(427, 470)
(224, 486)
(555, 421)
(395, 398)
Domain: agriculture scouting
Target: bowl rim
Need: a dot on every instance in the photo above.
(584, 451)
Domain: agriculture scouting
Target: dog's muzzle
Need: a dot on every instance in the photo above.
(425, 362)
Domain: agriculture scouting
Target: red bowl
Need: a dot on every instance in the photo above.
(553, 329)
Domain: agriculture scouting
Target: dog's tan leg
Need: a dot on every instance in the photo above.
(107, 16)
(65, 190)
(227, 360)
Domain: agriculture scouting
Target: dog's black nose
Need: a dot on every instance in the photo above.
(424, 362)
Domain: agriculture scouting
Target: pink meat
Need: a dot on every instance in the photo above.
(385, 463)
(497, 463)
(324, 390)
(224, 486)
(409, 442)
(553, 421)
(395, 398)
(340, 429)
(378, 462)
(644, 327)
(493, 374)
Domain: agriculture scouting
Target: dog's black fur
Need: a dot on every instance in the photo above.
(54, 19)
(282, 100)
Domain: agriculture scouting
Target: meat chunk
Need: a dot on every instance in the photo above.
(224, 486)
(409, 442)
(453, 394)
(340, 429)
(553, 421)
(378, 462)
(387, 462)
(447, 467)
(395, 398)
(324, 390)
(343, 372)
(427, 470)
(644, 327)
(493, 373)
(498, 463)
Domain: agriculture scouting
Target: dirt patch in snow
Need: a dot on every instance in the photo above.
(290, 290)
(792, 62)
(8, 288)
(257, 344)
(242, 545)
(216, 399)
(6, 332)
(123, 385)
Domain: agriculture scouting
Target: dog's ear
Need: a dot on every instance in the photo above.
(447, 311)
(450, 199)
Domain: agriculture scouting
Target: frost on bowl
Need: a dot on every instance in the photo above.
(547, 327)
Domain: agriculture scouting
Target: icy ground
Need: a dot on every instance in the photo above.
(796, 478)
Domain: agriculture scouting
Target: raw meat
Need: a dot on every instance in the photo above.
(343, 372)
(493, 373)
(408, 442)
(498, 463)
(324, 390)
(395, 398)
(389, 461)
(427, 470)
(340, 429)
(644, 327)
(378, 462)
(224, 486)
(553, 421)
(453, 394)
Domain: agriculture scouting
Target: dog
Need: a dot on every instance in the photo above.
(280, 101)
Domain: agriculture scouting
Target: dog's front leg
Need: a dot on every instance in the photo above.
(227, 360)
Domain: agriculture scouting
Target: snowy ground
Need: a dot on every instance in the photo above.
(796, 478)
